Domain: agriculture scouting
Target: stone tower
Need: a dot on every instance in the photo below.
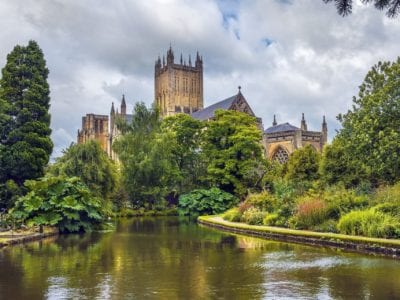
(178, 88)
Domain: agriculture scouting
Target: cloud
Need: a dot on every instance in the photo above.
(289, 56)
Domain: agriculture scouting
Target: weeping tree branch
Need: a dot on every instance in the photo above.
(345, 7)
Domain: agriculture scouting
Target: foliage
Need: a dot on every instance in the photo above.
(263, 201)
(341, 201)
(232, 215)
(25, 144)
(185, 137)
(233, 152)
(370, 130)
(303, 164)
(337, 166)
(310, 211)
(371, 223)
(271, 219)
(344, 7)
(9, 193)
(91, 164)
(148, 172)
(58, 201)
(253, 216)
(206, 202)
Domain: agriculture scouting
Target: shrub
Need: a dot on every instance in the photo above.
(369, 223)
(387, 194)
(341, 201)
(243, 206)
(58, 201)
(270, 219)
(253, 216)
(206, 202)
(264, 201)
(232, 215)
(327, 226)
(392, 209)
(310, 212)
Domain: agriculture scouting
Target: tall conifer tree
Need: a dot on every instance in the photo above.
(25, 136)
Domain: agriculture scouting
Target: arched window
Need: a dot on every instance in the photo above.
(281, 155)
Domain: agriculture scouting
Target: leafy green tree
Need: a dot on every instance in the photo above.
(185, 133)
(206, 202)
(91, 164)
(58, 201)
(303, 165)
(344, 7)
(233, 152)
(337, 166)
(145, 156)
(25, 120)
(370, 132)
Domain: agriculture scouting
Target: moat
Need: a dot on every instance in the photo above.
(173, 258)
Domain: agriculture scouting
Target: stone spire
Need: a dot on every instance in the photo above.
(112, 109)
(324, 131)
(190, 61)
(274, 123)
(303, 123)
(199, 61)
(170, 56)
(123, 106)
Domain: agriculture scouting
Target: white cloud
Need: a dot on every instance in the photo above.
(289, 56)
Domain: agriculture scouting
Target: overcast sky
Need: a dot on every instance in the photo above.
(289, 56)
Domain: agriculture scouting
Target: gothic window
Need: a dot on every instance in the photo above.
(186, 110)
(281, 155)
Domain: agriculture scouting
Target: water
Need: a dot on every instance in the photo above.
(168, 258)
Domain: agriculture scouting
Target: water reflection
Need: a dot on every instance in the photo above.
(172, 258)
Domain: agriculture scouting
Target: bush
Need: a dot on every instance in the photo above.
(58, 201)
(341, 201)
(263, 201)
(310, 212)
(253, 216)
(206, 202)
(327, 226)
(371, 223)
(270, 219)
(387, 194)
(232, 215)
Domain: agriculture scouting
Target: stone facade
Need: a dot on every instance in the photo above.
(178, 88)
(94, 127)
(281, 140)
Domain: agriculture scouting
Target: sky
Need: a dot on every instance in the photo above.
(289, 56)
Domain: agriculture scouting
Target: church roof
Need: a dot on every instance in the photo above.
(281, 128)
(208, 112)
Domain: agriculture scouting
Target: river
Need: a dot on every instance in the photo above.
(173, 258)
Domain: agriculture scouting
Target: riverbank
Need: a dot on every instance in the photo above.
(8, 238)
(341, 241)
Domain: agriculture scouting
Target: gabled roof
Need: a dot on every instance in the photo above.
(208, 112)
(281, 128)
(229, 103)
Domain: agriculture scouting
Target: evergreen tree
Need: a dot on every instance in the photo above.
(25, 136)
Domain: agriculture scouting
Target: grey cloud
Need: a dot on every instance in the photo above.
(98, 50)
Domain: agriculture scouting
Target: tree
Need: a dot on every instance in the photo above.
(25, 121)
(344, 7)
(303, 165)
(337, 166)
(185, 133)
(91, 164)
(370, 132)
(145, 156)
(233, 152)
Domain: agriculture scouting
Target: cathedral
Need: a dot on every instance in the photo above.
(178, 88)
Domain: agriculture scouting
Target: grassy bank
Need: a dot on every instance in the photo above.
(357, 243)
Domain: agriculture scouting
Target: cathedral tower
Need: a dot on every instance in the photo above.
(178, 88)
